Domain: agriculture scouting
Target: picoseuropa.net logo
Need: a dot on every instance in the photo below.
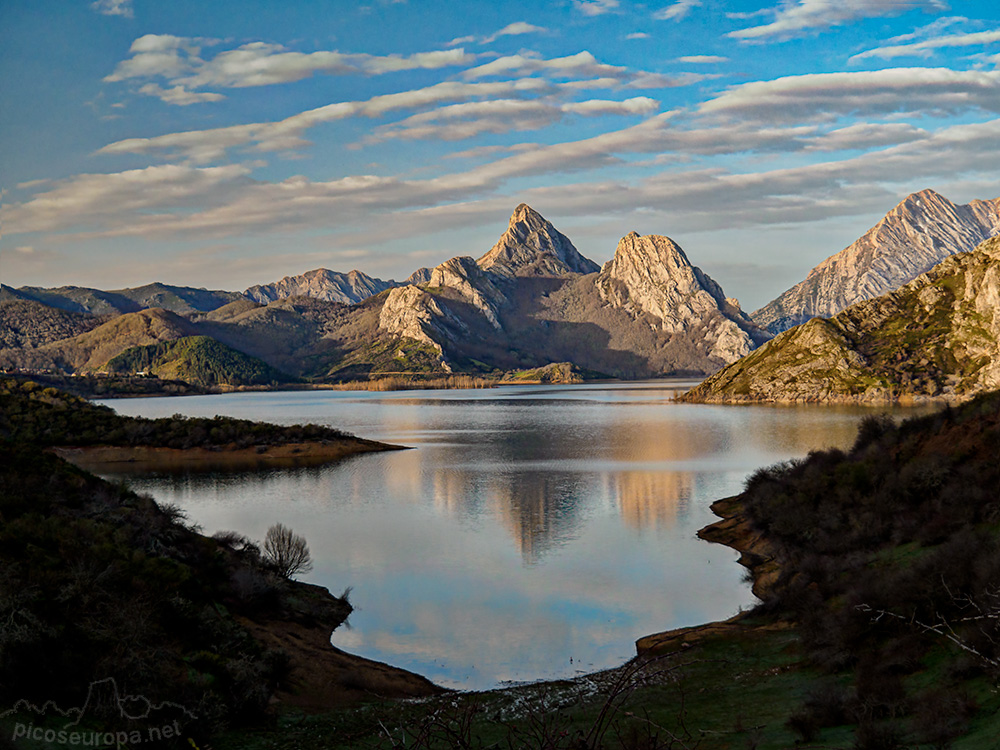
(135, 721)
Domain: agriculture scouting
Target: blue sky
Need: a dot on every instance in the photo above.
(224, 144)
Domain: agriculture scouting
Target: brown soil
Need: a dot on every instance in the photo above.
(322, 676)
(141, 458)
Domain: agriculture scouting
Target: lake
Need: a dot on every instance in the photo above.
(532, 532)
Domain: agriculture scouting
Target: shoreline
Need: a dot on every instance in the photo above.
(757, 554)
(142, 458)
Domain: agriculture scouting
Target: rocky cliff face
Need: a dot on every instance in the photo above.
(477, 287)
(411, 313)
(917, 234)
(937, 337)
(531, 246)
(331, 286)
(652, 275)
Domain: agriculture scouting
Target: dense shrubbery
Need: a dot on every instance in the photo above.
(885, 551)
(45, 416)
(97, 582)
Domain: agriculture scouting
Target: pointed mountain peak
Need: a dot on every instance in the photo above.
(531, 246)
(526, 213)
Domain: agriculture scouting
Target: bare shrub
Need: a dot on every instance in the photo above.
(286, 551)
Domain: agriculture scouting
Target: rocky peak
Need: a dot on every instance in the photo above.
(652, 275)
(321, 283)
(531, 246)
(918, 233)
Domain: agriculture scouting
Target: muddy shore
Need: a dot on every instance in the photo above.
(140, 458)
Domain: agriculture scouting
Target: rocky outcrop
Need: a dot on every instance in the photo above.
(411, 313)
(916, 235)
(936, 338)
(331, 286)
(475, 286)
(652, 275)
(531, 246)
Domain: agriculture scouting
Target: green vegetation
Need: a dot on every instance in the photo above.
(388, 357)
(196, 359)
(934, 338)
(113, 386)
(31, 413)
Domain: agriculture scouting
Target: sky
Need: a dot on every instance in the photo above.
(221, 144)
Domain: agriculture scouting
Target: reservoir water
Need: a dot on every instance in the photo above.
(532, 531)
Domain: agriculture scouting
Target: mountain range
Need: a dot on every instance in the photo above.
(529, 301)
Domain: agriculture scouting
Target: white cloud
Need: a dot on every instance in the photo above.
(578, 65)
(25, 250)
(461, 121)
(181, 201)
(927, 47)
(637, 35)
(595, 7)
(179, 95)
(863, 136)
(203, 146)
(178, 61)
(794, 18)
(160, 55)
(676, 11)
(825, 96)
(514, 29)
(700, 59)
(89, 199)
(113, 8)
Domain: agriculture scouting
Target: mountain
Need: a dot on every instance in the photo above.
(531, 246)
(28, 324)
(178, 299)
(533, 300)
(331, 286)
(195, 359)
(916, 235)
(936, 337)
(90, 350)
(653, 275)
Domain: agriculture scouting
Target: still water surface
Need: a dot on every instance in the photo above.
(533, 531)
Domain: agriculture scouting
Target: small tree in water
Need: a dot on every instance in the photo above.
(286, 551)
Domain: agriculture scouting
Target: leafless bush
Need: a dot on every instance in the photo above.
(286, 551)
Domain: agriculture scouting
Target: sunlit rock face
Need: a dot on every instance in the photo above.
(331, 286)
(652, 275)
(937, 337)
(916, 235)
(531, 246)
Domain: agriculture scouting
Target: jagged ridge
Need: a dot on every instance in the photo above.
(920, 232)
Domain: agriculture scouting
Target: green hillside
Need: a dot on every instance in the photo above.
(196, 359)
(937, 337)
